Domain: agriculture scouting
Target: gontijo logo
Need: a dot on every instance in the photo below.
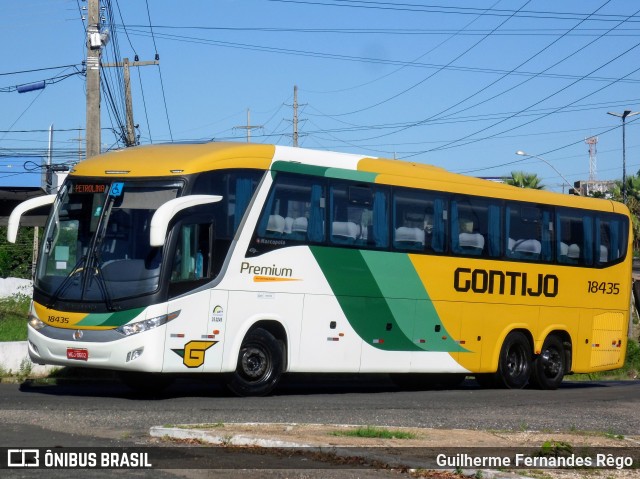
(513, 283)
(262, 274)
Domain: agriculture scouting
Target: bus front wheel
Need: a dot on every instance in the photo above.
(549, 366)
(514, 365)
(260, 365)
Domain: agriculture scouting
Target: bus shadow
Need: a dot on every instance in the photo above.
(108, 385)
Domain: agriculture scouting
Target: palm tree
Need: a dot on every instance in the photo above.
(633, 203)
(632, 187)
(525, 180)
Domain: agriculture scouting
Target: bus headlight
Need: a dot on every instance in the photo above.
(35, 322)
(147, 324)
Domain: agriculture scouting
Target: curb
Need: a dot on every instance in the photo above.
(14, 359)
(223, 439)
(376, 455)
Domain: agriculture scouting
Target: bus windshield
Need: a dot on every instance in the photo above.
(96, 241)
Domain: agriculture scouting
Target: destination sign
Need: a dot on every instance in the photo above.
(89, 188)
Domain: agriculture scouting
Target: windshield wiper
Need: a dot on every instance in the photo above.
(95, 261)
(66, 282)
(102, 284)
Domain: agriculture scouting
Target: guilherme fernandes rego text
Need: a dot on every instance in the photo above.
(604, 461)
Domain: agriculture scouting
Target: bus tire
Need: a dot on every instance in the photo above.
(514, 364)
(549, 366)
(260, 365)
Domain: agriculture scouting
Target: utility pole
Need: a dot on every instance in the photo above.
(249, 126)
(592, 142)
(296, 119)
(130, 134)
(623, 116)
(48, 173)
(94, 44)
(80, 140)
(295, 115)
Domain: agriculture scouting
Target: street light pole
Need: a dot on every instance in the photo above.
(522, 153)
(624, 115)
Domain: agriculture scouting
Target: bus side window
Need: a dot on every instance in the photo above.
(470, 226)
(575, 237)
(609, 245)
(237, 188)
(419, 221)
(294, 210)
(192, 258)
(528, 230)
(359, 215)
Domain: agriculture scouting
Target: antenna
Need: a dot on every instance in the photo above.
(592, 141)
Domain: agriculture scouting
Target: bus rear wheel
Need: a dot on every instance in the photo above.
(549, 367)
(514, 364)
(260, 365)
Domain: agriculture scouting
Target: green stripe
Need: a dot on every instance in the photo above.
(383, 298)
(292, 167)
(340, 173)
(110, 319)
(353, 175)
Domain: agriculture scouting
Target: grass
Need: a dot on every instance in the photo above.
(13, 318)
(630, 369)
(375, 432)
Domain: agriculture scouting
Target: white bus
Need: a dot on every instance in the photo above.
(256, 260)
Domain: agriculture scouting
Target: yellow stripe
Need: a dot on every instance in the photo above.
(267, 279)
(59, 319)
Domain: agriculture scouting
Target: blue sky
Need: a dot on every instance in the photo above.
(457, 84)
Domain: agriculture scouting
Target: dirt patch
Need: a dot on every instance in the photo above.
(338, 436)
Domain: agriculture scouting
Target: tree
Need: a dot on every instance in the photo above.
(633, 203)
(15, 258)
(633, 188)
(525, 180)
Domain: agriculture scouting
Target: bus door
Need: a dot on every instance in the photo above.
(192, 338)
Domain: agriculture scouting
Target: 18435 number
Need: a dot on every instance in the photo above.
(603, 287)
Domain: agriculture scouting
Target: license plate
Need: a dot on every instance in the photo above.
(79, 354)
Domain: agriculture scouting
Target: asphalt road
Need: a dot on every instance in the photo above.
(106, 413)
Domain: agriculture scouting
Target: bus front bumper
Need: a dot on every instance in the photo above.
(56, 346)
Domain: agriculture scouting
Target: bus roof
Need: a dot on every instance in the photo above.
(179, 159)
(176, 159)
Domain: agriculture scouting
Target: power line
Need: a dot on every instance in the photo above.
(124, 27)
(46, 81)
(580, 32)
(24, 111)
(362, 59)
(423, 8)
(444, 67)
(456, 142)
(544, 153)
(164, 97)
(76, 65)
(505, 75)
